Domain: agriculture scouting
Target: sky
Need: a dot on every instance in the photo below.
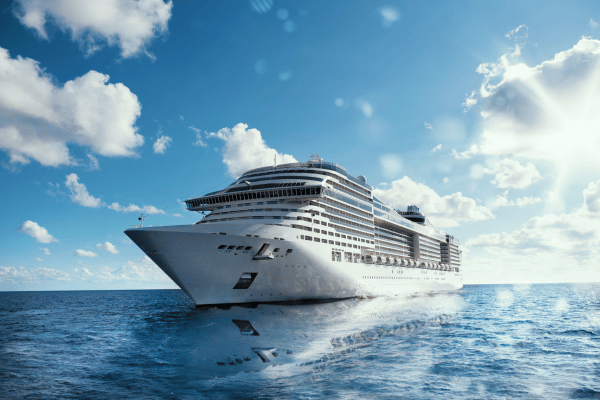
(484, 115)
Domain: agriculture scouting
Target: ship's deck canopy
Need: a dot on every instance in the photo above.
(311, 164)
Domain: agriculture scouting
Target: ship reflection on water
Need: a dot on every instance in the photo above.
(223, 342)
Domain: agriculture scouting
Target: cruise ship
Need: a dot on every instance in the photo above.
(299, 232)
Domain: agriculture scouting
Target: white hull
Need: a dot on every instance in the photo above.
(189, 255)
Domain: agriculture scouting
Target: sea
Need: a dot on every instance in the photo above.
(481, 342)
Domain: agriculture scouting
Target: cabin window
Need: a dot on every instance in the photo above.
(230, 247)
(247, 248)
(289, 251)
(221, 246)
(239, 248)
(276, 250)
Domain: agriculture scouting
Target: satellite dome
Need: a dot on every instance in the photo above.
(362, 179)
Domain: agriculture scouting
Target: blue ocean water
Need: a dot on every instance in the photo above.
(482, 342)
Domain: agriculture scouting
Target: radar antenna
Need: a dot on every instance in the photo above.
(315, 158)
(141, 219)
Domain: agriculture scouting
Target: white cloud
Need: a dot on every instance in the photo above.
(546, 112)
(389, 15)
(143, 270)
(37, 232)
(79, 193)
(84, 253)
(428, 126)
(178, 215)
(161, 144)
(593, 24)
(470, 101)
(559, 247)
(519, 37)
(94, 165)
(511, 174)
(463, 155)
(133, 208)
(198, 141)
(435, 149)
(502, 201)
(519, 33)
(446, 211)
(19, 275)
(391, 165)
(446, 180)
(38, 259)
(38, 119)
(108, 247)
(130, 25)
(45, 250)
(245, 149)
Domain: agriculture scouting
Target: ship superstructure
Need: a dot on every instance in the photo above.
(301, 231)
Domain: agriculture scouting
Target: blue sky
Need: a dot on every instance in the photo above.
(483, 115)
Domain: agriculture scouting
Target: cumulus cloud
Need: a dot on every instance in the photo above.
(130, 25)
(593, 24)
(79, 193)
(84, 253)
(568, 237)
(446, 211)
(542, 112)
(45, 250)
(511, 174)
(245, 149)
(446, 180)
(38, 259)
(178, 215)
(39, 119)
(502, 201)
(37, 232)
(108, 247)
(161, 144)
(428, 126)
(133, 208)
(545, 112)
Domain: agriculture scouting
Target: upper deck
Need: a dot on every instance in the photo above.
(309, 182)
